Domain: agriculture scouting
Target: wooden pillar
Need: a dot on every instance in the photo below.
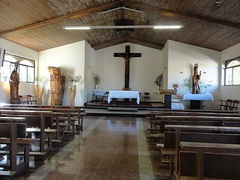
(57, 82)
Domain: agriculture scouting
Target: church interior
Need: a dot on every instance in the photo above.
(119, 89)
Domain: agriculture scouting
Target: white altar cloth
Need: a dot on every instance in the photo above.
(201, 97)
(124, 94)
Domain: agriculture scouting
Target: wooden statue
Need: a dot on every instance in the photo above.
(14, 85)
(39, 92)
(72, 93)
(195, 79)
(57, 82)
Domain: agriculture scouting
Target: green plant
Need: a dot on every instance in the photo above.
(207, 84)
(96, 79)
(159, 79)
(76, 78)
(39, 78)
(187, 82)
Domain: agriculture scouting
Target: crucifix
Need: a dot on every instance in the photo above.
(127, 56)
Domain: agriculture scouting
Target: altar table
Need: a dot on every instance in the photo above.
(200, 97)
(195, 99)
(124, 94)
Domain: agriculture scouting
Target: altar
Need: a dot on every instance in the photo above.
(195, 99)
(124, 94)
(200, 97)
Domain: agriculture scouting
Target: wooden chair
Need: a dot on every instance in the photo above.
(31, 99)
(146, 97)
(225, 104)
(105, 96)
(234, 105)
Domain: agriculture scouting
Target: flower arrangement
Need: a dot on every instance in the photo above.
(159, 79)
(39, 78)
(96, 79)
(187, 82)
(207, 84)
(76, 78)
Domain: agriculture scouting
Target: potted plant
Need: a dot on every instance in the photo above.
(187, 84)
(72, 89)
(158, 81)
(74, 79)
(96, 79)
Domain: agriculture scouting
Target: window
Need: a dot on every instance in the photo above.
(26, 68)
(232, 72)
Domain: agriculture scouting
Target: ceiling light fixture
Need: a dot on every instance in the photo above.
(123, 27)
(126, 8)
(218, 1)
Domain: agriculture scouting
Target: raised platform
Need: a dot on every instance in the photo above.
(122, 109)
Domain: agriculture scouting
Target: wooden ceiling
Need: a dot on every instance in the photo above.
(38, 24)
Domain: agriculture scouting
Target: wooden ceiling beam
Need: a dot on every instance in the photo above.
(78, 14)
(110, 43)
(127, 39)
(168, 12)
(145, 43)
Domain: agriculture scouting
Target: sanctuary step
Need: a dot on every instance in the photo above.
(122, 109)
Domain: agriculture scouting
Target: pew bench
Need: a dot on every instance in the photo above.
(76, 112)
(13, 137)
(213, 160)
(35, 117)
(219, 129)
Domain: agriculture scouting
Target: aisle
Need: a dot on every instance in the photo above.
(108, 148)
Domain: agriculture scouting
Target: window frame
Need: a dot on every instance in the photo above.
(20, 59)
(226, 63)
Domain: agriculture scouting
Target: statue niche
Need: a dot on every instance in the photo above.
(57, 82)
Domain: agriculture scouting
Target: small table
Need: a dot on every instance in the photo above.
(97, 93)
(124, 94)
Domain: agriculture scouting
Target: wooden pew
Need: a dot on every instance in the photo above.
(13, 134)
(213, 160)
(177, 129)
(71, 114)
(39, 116)
(158, 123)
(155, 116)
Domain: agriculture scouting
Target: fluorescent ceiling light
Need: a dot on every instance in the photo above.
(76, 27)
(122, 27)
(168, 27)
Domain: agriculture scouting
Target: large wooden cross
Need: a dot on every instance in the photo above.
(127, 56)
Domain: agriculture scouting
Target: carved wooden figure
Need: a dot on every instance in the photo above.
(39, 92)
(14, 85)
(57, 82)
(127, 56)
(72, 93)
(195, 79)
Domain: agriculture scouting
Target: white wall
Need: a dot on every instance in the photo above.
(24, 88)
(71, 59)
(80, 58)
(229, 92)
(143, 70)
(90, 68)
(181, 59)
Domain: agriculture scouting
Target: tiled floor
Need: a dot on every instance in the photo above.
(108, 148)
